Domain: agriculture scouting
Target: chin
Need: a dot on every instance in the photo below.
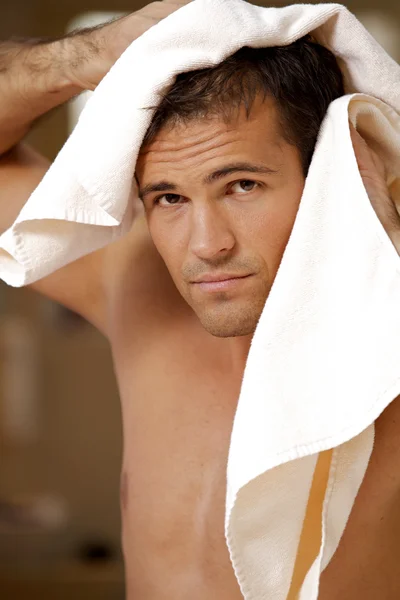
(229, 327)
(227, 316)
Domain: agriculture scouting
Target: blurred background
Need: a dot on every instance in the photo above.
(60, 424)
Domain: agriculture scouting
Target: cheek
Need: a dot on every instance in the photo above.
(272, 229)
(167, 245)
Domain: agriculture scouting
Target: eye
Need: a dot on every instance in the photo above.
(246, 185)
(170, 199)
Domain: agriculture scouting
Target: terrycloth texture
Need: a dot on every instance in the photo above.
(324, 361)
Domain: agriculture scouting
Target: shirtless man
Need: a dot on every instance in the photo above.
(180, 342)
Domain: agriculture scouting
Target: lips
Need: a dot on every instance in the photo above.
(223, 277)
(216, 285)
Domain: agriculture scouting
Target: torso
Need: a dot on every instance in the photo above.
(179, 396)
(366, 563)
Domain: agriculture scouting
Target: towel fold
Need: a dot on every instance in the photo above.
(324, 360)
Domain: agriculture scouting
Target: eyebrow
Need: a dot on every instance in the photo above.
(166, 186)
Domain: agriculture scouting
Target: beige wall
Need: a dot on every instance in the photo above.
(78, 453)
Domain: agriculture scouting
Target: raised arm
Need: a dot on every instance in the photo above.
(35, 77)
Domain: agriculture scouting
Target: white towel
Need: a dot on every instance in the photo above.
(324, 361)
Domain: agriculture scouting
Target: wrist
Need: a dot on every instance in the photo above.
(32, 82)
(82, 59)
(38, 79)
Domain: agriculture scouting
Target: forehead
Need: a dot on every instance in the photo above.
(198, 141)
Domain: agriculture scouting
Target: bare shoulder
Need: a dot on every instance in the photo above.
(140, 293)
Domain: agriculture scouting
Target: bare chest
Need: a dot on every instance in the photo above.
(178, 414)
(177, 433)
(178, 408)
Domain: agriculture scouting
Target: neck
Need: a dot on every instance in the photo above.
(239, 350)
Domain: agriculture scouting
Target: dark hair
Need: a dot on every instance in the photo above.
(303, 78)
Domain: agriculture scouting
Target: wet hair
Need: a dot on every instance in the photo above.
(303, 78)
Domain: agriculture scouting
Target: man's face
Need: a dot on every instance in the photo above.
(223, 202)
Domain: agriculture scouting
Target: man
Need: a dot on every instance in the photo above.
(221, 173)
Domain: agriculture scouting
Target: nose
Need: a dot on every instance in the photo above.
(211, 234)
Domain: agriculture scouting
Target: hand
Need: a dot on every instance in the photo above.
(89, 54)
(373, 173)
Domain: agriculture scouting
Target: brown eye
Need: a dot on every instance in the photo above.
(244, 185)
(169, 199)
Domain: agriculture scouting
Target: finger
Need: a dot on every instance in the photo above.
(373, 173)
(367, 158)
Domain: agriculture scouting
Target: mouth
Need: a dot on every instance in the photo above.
(221, 285)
